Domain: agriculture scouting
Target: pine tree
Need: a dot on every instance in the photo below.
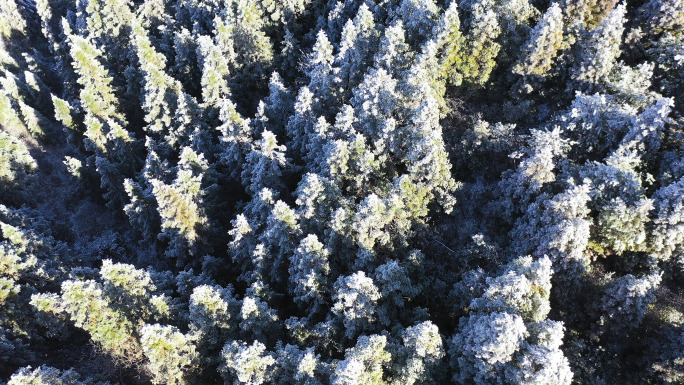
(113, 146)
(600, 50)
(180, 206)
(481, 45)
(668, 226)
(559, 227)
(318, 68)
(247, 364)
(355, 303)
(16, 166)
(358, 43)
(45, 375)
(451, 42)
(264, 165)
(171, 355)
(363, 364)
(507, 337)
(419, 18)
(308, 270)
(394, 55)
(625, 301)
(663, 16)
(542, 48)
(424, 348)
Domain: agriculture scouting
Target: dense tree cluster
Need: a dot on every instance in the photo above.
(341, 192)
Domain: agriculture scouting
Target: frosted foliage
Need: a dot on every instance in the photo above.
(481, 43)
(625, 301)
(316, 199)
(246, 364)
(370, 220)
(362, 364)
(15, 161)
(355, 300)
(89, 309)
(357, 45)
(484, 345)
(394, 54)
(548, 334)
(128, 279)
(633, 84)
(668, 53)
(523, 289)
(308, 271)
(622, 227)
(617, 177)
(45, 375)
(181, 204)
(426, 158)
(543, 45)
(209, 312)
(537, 168)
(264, 164)
(296, 366)
(668, 223)
(214, 72)
(449, 37)
(374, 101)
(419, 17)
(160, 89)
(540, 366)
(318, 65)
(601, 49)
(664, 15)
(567, 238)
(10, 24)
(597, 120)
(425, 350)
(171, 354)
(424, 341)
(300, 124)
(394, 281)
(279, 238)
(256, 316)
(557, 227)
(646, 134)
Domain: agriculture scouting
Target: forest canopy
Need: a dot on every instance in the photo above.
(341, 192)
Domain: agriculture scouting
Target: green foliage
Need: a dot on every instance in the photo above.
(45, 375)
(171, 354)
(16, 165)
(317, 192)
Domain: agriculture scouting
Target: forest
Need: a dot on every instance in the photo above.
(341, 192)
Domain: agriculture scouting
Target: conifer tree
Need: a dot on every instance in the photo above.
(308, 270)
(600, 50)
(113, 146)
(180, 207)
(171, 355)
(264, 165)
(663, 16)
(247, 364)
(424, 349)
(318, 68)
(358, 42)
(419, 18)
(394, 54)
(542, 47)
(363, 364)
(480, 44)
(451, 41)
(355, 303)
(45, 375)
